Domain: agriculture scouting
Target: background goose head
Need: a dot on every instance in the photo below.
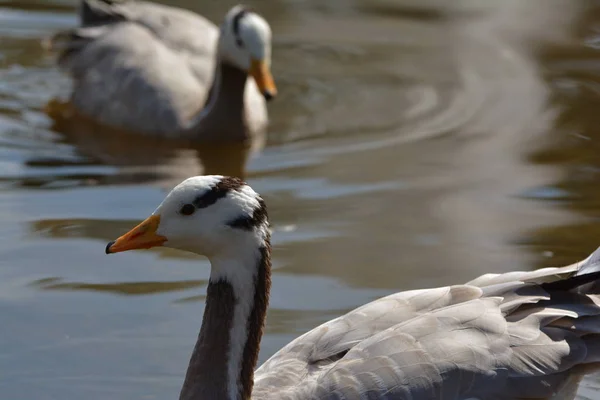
(245, 43)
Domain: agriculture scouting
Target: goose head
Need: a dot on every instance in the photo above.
(212, 215)
(245, 42)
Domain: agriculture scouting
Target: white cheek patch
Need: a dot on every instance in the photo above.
(237, 203)
(256, 34)
(232, 53)
(246, 198)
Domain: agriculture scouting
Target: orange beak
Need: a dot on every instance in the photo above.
(142, 236)
(261, 73)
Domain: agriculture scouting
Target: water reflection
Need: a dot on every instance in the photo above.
(137, 160)
(573, 72)
(100, 229)
(123, 288)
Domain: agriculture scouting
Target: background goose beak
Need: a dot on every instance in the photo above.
(261, 73)
(143, 236)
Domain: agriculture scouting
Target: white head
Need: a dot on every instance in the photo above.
(245, 42)
(210, 215)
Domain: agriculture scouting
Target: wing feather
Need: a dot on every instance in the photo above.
(515, 336)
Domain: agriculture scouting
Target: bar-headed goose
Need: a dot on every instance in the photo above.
(525, 335)
(158, 70)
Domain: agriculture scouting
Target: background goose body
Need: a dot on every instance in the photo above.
(154, 69)
(519, 335)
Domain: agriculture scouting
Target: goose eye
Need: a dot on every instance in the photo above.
(187, 209)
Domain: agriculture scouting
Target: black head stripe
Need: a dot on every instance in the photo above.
(236, 25)
(218, 191)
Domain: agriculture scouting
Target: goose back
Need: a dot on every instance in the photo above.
(506, 336)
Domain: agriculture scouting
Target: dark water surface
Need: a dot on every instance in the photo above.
(414, 144)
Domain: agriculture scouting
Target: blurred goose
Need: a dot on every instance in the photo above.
(519, 335)
(158, 70)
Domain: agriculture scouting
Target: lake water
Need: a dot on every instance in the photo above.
(413, 144)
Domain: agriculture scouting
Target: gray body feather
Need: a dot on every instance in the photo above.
(500, 336)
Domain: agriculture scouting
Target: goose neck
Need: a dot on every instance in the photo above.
(226, 352)
(223, 115)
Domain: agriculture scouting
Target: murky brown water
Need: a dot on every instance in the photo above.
(414, 144)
